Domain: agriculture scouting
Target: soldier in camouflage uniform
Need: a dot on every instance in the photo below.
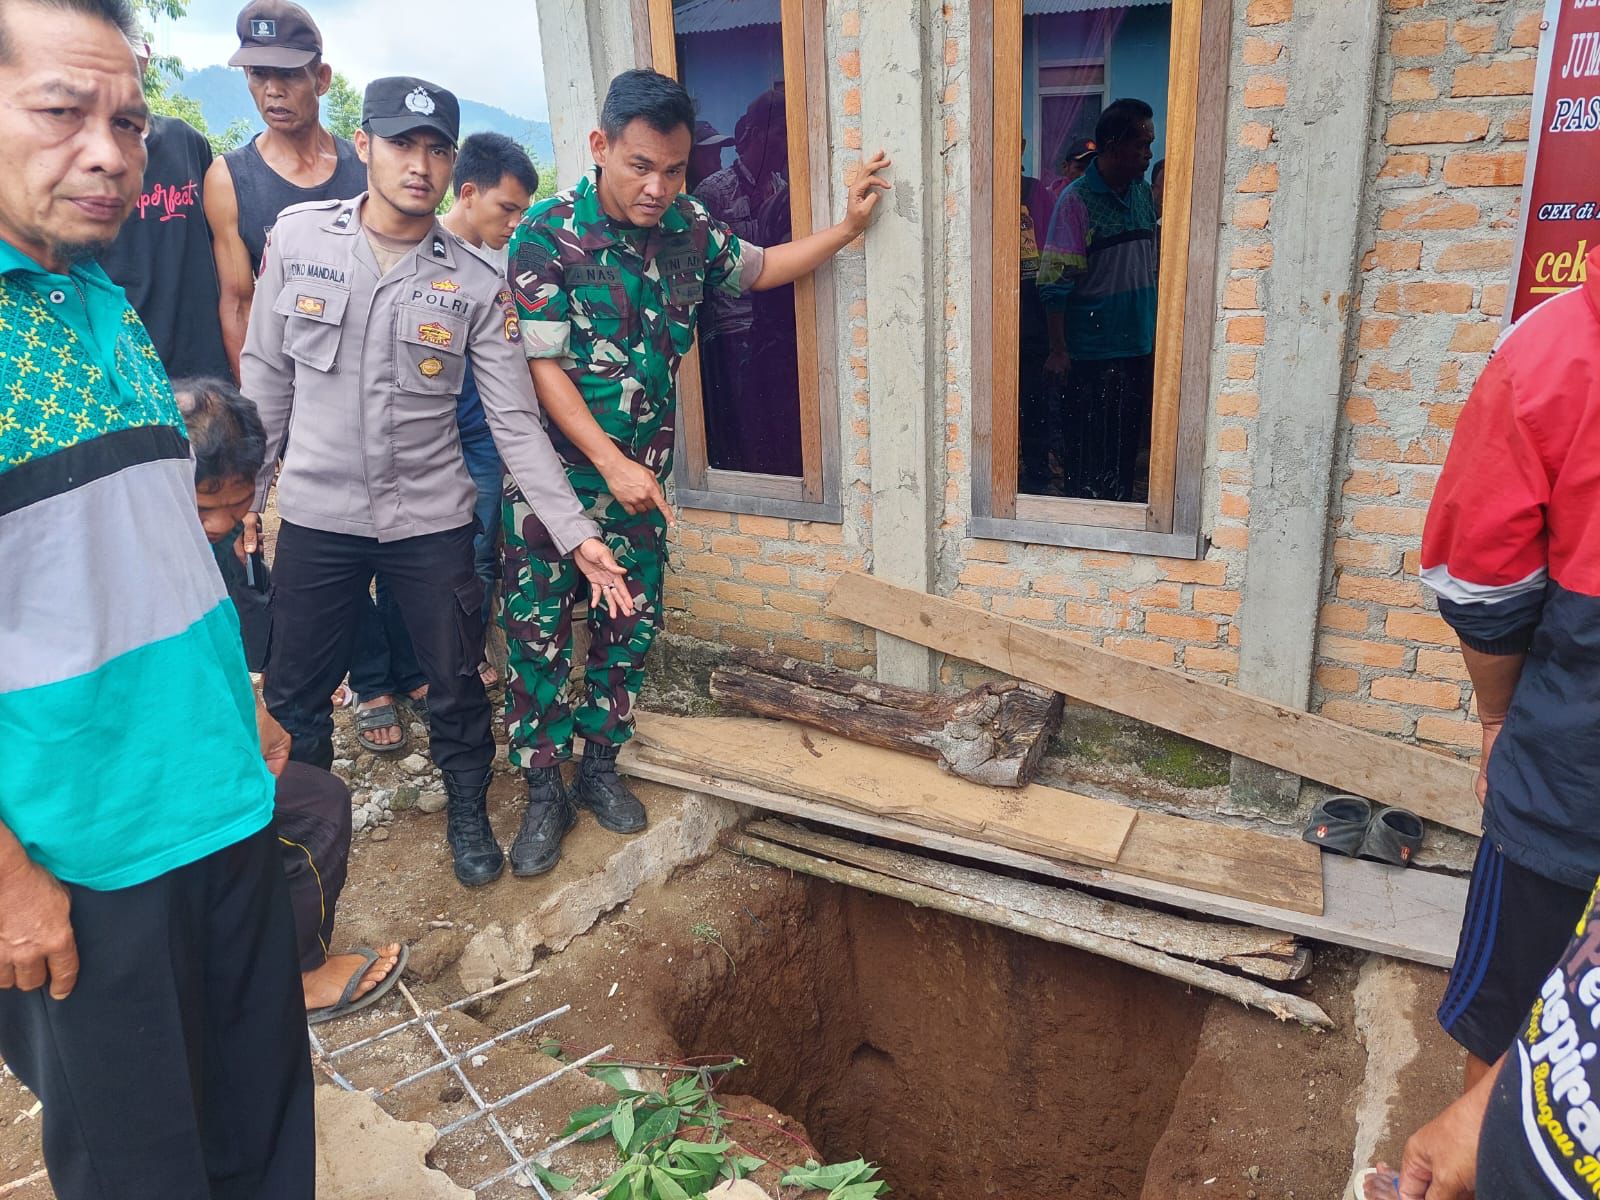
(607, 279)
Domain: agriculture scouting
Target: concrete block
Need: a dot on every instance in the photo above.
(365, 1154)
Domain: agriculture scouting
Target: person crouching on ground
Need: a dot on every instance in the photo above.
(311, 807)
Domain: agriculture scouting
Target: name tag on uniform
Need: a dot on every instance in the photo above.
(587, 274)
(680, 265)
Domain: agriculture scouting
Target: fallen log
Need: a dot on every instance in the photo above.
(995, 734)
(1282, 1005)
(1263, 953)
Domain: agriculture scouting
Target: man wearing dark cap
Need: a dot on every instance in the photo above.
(368, 314)
(296, 161)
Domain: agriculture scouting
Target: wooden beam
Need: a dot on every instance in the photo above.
(995, 734)
(1410, 914)
(1203, 855)
(1261, 952)
(1253, 995)
(1351, 760)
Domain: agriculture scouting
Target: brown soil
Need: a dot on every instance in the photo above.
(968, 1060)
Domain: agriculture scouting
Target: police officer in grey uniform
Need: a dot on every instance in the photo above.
(365, 317)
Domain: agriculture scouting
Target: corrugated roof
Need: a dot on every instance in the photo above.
(1043, 8)
(716, 16)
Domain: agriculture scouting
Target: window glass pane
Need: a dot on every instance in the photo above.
(1094, 96)
(730, 58)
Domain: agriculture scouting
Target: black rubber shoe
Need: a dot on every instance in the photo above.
(548, 817)
(1394, 836)
(1339, 824)
(478, 859)
(601, 790)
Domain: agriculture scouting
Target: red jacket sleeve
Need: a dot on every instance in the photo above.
(1485, 546)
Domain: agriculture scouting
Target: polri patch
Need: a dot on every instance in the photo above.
(445, 285)
(311, 306)
(435, 334)
(513, 330)
(430, 367)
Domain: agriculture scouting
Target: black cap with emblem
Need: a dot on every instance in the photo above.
(276, 33)
(398, 104)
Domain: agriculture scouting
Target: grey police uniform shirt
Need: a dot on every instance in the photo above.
(360, 374)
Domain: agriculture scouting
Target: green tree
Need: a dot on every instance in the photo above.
(163, 73)
(341, 108)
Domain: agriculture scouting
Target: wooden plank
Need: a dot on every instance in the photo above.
(825, 381)
(1409, 914)
(642, 54)
(663, 46)
(796, 117)
(1352, 760)
(1006, 198)
(1282, 1005)
(1070, 510)
(1183, 90)
(1049, 821)
(980, 197)
(1205, 225)
(1262, 952)
(789, 757)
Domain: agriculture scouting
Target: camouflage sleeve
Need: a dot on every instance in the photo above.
(732, 264)
(512, 410)
(538, 284)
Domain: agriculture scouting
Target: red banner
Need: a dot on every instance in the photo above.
(1561, 197)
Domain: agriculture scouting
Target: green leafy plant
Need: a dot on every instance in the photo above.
(674, 1144)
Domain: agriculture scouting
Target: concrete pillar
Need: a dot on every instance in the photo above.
(583, 45)
(1317, 224)
(899, 113)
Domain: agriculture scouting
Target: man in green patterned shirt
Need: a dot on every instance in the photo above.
(607, 279)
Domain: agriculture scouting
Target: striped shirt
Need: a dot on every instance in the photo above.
(128, 744)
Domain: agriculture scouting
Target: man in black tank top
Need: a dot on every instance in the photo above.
(296, 160)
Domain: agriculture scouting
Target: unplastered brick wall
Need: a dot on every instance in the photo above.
(1455, 82)
(760, 582)
(1172, 612)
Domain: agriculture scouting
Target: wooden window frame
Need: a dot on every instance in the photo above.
(1169, 522)
(815, 496)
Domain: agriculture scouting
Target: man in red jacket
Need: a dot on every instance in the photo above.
(1512, 547)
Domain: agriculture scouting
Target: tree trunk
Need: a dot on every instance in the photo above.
(995, 734)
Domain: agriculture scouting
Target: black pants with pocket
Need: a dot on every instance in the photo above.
(320, 583)
(178, 1068)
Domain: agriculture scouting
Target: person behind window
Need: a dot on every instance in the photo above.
(1097, 277)
(749, 357)
(1073, 161)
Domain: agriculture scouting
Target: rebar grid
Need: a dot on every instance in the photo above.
(449, 1061)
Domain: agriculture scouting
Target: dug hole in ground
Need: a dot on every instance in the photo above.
(964, 1059)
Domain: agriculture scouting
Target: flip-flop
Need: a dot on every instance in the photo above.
(419, 706)
(345, 1004)
(1357, 1190)
(1394, 837)
(383, 716)
(1339, 824)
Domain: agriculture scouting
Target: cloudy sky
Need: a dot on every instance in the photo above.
(486, 50)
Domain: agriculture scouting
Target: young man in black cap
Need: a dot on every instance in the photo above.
(368, 313)
(295, 161)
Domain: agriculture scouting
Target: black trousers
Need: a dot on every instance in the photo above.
(320, 583)
(178, 1068)
(311, 816)
(1106, 417)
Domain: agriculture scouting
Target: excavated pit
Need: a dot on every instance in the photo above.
(966, 1060)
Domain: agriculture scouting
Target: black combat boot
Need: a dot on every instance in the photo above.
(549, 816)
(477, 855)
(603, 793)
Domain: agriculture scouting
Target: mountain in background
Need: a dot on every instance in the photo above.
(221, 94)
